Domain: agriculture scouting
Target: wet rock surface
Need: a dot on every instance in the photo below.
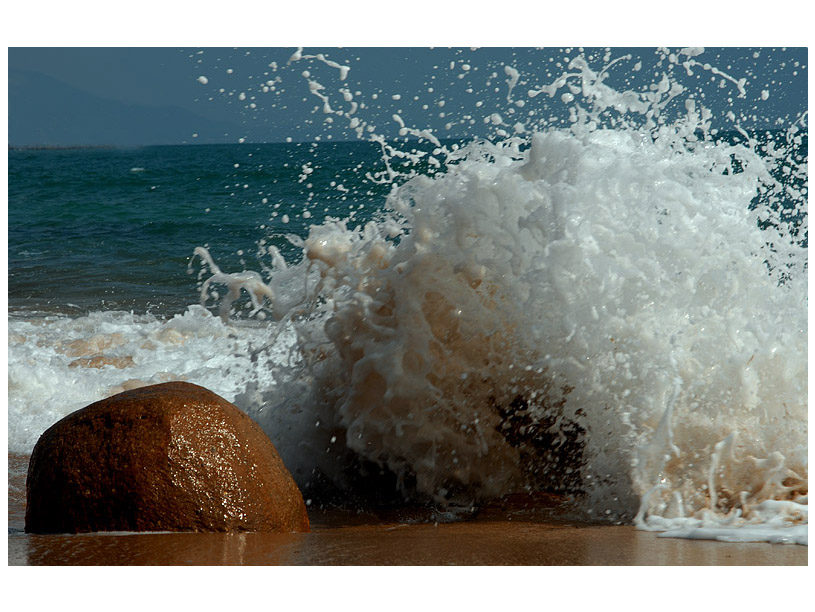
(167, 457)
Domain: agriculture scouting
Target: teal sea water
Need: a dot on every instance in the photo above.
(114, 229)
(610, 306)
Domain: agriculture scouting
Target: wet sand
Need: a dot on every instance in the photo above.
(465, 543)
(501, 535)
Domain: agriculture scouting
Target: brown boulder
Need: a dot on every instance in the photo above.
(168, 457)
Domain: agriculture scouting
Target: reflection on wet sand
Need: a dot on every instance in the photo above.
(464, 543)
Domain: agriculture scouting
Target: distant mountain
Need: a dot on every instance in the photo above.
(45, 111)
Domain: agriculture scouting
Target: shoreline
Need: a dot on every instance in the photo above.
(468, 543)
(525, 532)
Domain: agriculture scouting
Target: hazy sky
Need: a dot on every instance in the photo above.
(452, 91)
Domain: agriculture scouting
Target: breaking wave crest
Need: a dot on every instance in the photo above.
(618, 314)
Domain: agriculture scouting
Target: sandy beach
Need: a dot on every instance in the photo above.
(508, 534)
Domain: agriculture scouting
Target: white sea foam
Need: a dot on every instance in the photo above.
(60, 364)
(608, 280)
(593, 291)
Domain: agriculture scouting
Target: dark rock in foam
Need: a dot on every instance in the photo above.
(168, 457)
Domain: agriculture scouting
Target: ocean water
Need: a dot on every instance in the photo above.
(605, 298)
